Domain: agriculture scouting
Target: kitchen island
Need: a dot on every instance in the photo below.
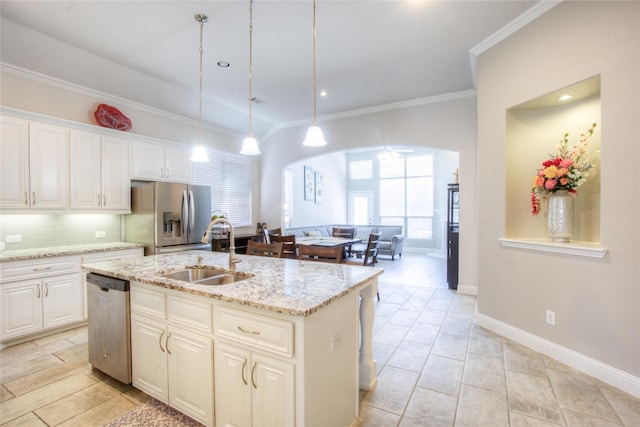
(290, 344)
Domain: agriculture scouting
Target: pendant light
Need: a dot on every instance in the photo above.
(200, 152)
(250, 145)
(314, 133)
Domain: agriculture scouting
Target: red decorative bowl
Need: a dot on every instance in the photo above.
(110, 117)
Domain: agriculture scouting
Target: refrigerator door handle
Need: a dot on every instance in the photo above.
(192, 213)
(185, 213)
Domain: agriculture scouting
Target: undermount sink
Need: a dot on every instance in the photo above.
(206, 276)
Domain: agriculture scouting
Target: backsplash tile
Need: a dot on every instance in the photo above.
(39, 230)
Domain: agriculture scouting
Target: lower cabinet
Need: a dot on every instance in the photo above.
(35, 296)
(169, 363)
(253, 389)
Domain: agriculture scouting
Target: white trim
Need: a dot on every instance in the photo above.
(608, 374)
(376, 109)
(467, 290)
(82, 90)
(523, 19)
(583, 249)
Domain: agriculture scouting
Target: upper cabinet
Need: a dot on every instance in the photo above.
(34, 165)
(99, 172)
(159, 162)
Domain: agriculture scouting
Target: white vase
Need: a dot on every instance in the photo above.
(560, 216)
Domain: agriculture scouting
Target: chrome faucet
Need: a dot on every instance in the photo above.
(233, 259)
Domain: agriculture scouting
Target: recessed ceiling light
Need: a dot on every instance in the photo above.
(223, 64)
(565, 97)
(323, 93)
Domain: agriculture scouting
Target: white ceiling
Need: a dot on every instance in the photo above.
(369, 53)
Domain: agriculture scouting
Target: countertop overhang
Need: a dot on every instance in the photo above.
(287, 286)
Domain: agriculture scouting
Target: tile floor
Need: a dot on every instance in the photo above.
(435, 367)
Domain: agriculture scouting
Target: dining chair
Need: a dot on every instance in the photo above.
(320, 253)
(370, 254)
(288, 245)
(273, 250)
(268, 233)
(344, 233)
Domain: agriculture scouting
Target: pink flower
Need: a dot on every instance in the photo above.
(550, 184)
(562, 172)
(566, 163)
(541, 172)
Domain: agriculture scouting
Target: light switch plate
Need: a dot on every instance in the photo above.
(14, 238)
(101, 234)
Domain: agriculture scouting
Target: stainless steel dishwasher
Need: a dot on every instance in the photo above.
(109, 330)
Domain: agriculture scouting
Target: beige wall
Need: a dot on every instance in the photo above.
(597, 301)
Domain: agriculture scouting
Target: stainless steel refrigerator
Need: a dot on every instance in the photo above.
(168, 217)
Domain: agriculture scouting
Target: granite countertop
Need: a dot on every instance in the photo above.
(288, 286)
(22, 254)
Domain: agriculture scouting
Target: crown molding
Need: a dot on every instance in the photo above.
(523, 19)
(376, 109)
(85, 91)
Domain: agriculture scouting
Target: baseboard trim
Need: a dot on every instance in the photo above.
(608, 374)
(467, 290)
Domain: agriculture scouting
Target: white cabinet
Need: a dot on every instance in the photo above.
(160, 162)
(102, 257)
(252, 389)
(99, 172)
(34, 165)
(36, 295)
(169, 362)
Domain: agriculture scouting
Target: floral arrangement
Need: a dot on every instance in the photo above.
(567, 170)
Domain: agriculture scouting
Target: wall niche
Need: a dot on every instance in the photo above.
(533, 131)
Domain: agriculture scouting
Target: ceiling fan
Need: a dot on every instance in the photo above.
(390, 153)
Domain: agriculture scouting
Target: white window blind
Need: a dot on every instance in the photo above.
(229, 176)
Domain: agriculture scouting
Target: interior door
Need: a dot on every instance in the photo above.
(361, 207)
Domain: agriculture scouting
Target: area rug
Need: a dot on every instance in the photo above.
(154, 413)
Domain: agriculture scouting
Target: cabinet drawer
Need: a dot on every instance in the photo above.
(39, 268)
(148, 302)
(266, 333)
(189, 312)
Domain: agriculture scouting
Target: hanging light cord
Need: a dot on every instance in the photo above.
(315, 122)
(250, 62)
(201, 19)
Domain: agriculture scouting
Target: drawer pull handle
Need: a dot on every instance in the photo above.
(26, 197)
(241, 329)
(166, 343)
(244, 380)
(160, 341)
(33, 199)
(46, 290)
(252, 375)
(42, 268)
(38, 291)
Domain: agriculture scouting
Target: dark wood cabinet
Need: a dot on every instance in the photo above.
(453, 233)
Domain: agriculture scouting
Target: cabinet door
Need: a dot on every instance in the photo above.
(272, 401)
(116, 186)
(62, 301)
(85, 159)
(149, 357)
(147, 161)
(177, 165)
(21, 304)
(232, 385)
(191, 374)
(48, 166)
(14, 170)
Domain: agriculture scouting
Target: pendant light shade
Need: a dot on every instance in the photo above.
(250, 145)
(314, 134)
(199, 151)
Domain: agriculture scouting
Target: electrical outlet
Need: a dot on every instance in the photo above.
(1, 246)
(335, 340)
(101, 234)
(551, 318)
(15, 238)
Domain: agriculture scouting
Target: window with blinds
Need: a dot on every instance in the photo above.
(229, 176)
